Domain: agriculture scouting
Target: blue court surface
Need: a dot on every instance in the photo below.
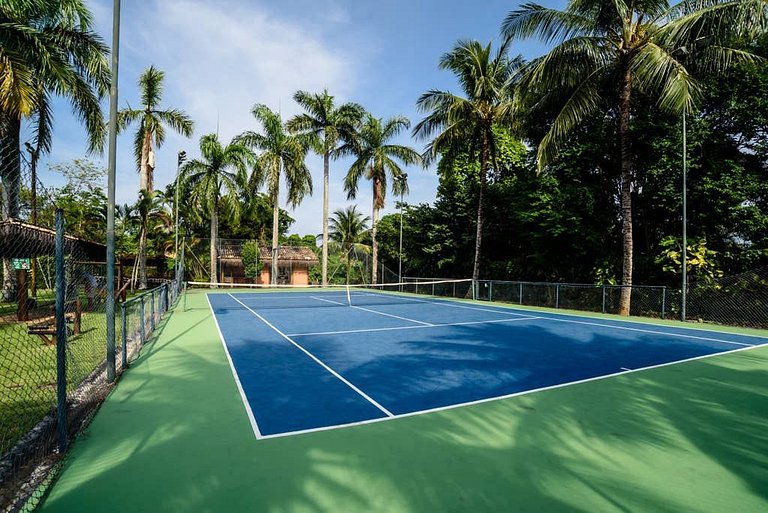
(311, 360)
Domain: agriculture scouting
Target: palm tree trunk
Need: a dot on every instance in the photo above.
(626, 193)
(10, 174)
(144, 179)
(480, 207)
(275, 235)
(214, 244)
(143, 256)
(326, 186)
(374, 222)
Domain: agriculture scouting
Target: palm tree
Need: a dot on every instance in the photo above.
(607, 51)
(214, 183)
(151, 131)
(152, 123)
(47, 48)
(326, 125)
(346, 229)
(487, 80)
(376, 160)
(281, 158)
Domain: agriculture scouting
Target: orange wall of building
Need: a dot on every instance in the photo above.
(300, 277)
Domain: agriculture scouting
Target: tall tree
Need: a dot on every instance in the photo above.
(346, 229)
(47, 48)
(326, 125)
(214, 183)
(487, 81)
(376, 159)
(282, 158)
(152, 122)
(151, 131)
(605, 52)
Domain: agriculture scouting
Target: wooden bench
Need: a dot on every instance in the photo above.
(45, 328)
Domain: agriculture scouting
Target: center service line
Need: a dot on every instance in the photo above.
(316, 359)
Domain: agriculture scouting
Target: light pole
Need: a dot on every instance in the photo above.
(402, 179)
(182, 156)
(684, 292)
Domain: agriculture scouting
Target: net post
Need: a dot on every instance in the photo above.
(61, 335)
(123, 326)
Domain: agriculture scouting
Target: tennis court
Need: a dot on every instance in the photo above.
(379, 401)
(323, 359)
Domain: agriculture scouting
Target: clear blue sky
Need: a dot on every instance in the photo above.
(222, 57)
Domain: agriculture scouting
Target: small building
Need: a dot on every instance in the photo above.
(293, 263)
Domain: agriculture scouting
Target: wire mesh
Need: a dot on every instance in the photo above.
(37, 420)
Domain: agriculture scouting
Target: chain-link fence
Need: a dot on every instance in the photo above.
(53, 348)
(740, 300)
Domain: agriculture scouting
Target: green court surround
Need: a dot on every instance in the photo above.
(173, 436)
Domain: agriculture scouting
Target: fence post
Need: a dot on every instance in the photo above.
(490, 291)
(152, 310)
(603, 298)
(521, 293)
(124, 327)
(474, 289)
(454, 289)
(663, 301)
(557, 295)
(142, 334)
(61, 335)
(433, 289)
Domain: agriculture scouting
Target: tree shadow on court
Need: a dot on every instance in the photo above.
(174, 437)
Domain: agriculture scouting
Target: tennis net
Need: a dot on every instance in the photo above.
(258, 296)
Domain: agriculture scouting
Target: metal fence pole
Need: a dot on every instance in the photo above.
(521, 293)
(663, 301)
(490, 291)
(124, 327)
(557, 295)
(152, 311)
(603, 298)
(142, 333)
(61, 335)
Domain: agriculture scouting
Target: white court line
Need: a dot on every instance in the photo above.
(469, 323)
(316, 359)
(507, 396)
(247, 405)
(547, 318)
(375, 311)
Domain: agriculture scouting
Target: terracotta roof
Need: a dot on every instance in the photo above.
(293, 254)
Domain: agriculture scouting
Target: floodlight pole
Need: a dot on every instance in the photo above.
(181, 157)
(110, 303)
(400, 254)
(684, 290)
